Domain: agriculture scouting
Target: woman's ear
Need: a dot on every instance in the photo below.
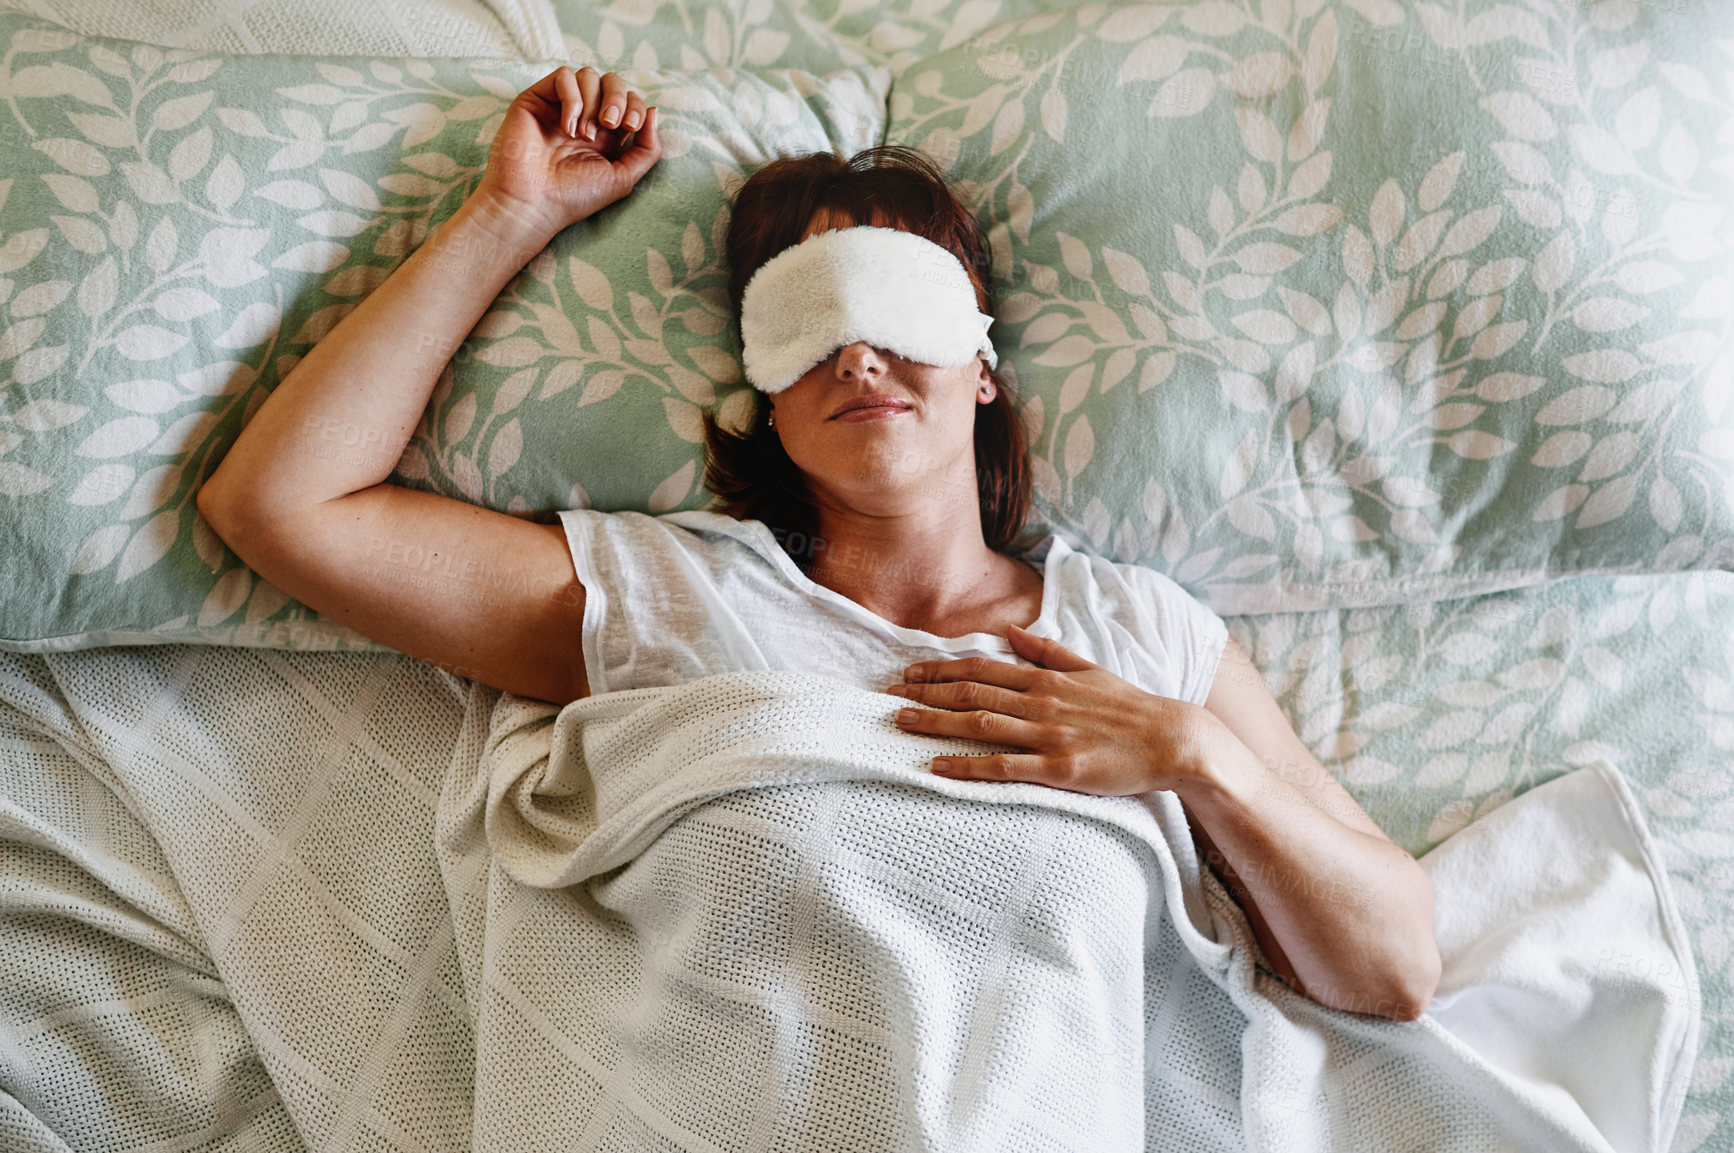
(985, 389)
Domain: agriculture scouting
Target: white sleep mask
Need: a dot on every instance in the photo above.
(893, 289)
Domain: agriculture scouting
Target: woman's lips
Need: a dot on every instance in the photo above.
(871, 412)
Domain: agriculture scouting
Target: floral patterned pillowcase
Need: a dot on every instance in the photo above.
(1360, 304)
(1385, 306)
(178, 228)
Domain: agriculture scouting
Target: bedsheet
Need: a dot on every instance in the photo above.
(1432, 715)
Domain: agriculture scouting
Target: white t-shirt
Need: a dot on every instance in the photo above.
(672, 598)
(691, 594)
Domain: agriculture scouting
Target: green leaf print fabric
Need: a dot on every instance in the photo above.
(177, 228)
(1352, 304)
(1308, 304)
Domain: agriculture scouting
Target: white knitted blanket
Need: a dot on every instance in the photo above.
(741, 914)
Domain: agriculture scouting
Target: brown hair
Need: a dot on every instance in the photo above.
(750, 473)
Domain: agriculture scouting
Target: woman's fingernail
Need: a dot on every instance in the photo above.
(590, 130)
(633, 119)
(611, 116)
(905, 715)
(572, 125)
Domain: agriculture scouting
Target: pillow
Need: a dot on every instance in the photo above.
(177, 228)
(1363, 303)
(779, 33)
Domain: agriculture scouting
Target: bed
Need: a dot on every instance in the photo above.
(202, 781)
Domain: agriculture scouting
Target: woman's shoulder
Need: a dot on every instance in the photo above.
(697, 520)
(688, 529)
(1137, 585)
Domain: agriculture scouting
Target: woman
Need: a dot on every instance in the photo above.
(904, 512)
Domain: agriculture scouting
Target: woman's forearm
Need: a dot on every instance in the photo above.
(1353, 913)
(339, 421)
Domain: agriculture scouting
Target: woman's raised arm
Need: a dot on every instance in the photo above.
(302, 495)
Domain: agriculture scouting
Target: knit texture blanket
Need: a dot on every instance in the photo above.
(740, 913)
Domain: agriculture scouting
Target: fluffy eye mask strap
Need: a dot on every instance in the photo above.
(891, 288)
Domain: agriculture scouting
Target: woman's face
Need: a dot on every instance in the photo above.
(913, 445)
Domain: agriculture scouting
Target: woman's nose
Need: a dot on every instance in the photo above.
(859, 360)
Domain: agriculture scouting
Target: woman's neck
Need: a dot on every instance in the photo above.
(923, 570)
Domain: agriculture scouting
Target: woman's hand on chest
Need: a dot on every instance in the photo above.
(1083, 728)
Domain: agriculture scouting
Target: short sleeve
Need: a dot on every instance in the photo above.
(1192, 635)
(659, 600)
